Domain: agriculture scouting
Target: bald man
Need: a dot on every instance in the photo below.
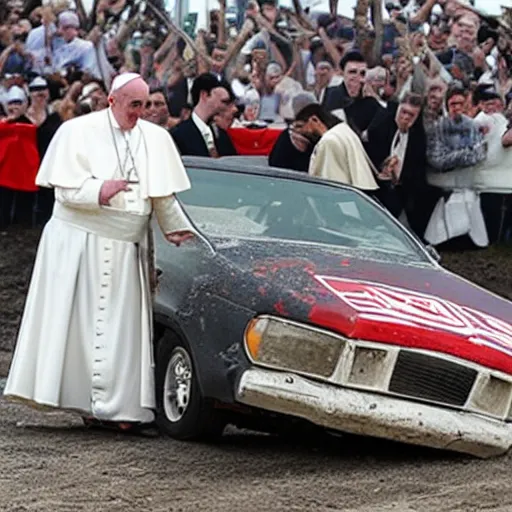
(85, 338)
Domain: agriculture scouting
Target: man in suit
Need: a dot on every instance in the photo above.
(325, 78)
(359, 110)
(195, 136)
(397, 148)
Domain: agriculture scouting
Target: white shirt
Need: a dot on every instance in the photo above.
(190, 82)
(399, 147)
(79, 52)
(205, 130)
(36, 46)
(239, 89)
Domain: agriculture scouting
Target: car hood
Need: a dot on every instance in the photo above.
(373, 296)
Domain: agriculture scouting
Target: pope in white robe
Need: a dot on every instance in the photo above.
(85, 341)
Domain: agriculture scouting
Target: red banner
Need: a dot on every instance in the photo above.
(254, 142)
(19, 157)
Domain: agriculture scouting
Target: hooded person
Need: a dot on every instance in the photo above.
(84, 342)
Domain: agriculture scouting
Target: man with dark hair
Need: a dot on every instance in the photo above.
(339, 154)
(157, 108)
(292, 150)
(433, 103)
(325, 78)
(397, 147)
(349, 97)
(218, 56)
(195, 136)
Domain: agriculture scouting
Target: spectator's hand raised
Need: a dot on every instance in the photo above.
(110, 188)
(75, 89)
(369, 91)
(479, 58)
(94, 35)
(47, 16)
(102, 6)
(418, 42)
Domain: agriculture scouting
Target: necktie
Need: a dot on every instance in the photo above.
(397, 140)
(210, 144)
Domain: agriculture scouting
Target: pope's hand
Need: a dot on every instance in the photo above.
(178, 237)
(110, 188)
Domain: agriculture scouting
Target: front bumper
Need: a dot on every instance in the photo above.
(371, 414)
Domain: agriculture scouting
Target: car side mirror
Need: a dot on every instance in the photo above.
(433, 252)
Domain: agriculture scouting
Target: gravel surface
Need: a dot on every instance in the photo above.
(50, 462)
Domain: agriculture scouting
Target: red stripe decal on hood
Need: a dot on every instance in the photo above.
(377, 312)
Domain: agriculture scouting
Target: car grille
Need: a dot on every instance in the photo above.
(431, 378)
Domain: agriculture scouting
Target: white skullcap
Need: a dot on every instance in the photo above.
(486, 79)
(123, 79)
(16, 93)
(38, 83)
(69, 19)
(88, 89)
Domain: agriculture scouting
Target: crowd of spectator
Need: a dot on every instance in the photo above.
(425, 91)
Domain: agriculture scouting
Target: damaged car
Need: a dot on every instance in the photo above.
(302, 300)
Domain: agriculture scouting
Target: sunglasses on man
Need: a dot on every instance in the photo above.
(156, 103)
(361, 72)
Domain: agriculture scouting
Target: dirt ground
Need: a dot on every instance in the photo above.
(49, 462)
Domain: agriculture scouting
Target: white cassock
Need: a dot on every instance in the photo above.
(340, 156)
(85, 341)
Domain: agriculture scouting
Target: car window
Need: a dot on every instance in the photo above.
(230, 204)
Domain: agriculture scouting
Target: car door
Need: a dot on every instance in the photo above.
(180, 269)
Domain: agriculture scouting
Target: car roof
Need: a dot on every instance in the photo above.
(256, 165)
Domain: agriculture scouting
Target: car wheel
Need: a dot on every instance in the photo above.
(182, 411)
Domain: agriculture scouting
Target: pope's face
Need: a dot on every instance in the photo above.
(128, 103)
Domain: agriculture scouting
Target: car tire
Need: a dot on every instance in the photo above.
(182, 412)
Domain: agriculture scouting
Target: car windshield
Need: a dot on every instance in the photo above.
(239, 205)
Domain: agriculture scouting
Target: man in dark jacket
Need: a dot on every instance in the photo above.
(195, 135)
(293, 150)
(359, 110)
(397, 147)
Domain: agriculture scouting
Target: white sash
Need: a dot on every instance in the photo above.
(114, 224)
